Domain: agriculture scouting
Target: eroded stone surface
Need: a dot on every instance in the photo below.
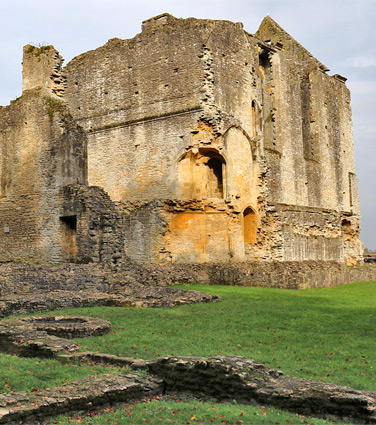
(244, 380)
(82, 394)
(194, 142)
(27, 342)
(61, 326)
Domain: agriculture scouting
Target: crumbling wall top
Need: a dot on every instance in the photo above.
(271, 32)
(157, 21)
(42, 67)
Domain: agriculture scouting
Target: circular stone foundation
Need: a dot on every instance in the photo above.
(63, 326)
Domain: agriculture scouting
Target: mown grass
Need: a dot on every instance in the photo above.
(325, 334)
(168, 410)
(30, 374)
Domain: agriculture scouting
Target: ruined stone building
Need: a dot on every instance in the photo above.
(193, 142)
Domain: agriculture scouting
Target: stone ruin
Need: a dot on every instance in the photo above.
(194, 152)
(194, 143)
(225, 378)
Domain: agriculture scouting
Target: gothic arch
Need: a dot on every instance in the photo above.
(253, 141)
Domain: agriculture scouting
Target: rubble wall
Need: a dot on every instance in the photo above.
(276, 274)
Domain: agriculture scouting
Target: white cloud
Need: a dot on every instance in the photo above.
(361, 61)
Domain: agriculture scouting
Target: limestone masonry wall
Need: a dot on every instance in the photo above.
(194, 142)
(42, 149)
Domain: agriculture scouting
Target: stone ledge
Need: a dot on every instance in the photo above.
(61, 326)
(103, 358)
(244, 380)
(135, 296)
(85, 393)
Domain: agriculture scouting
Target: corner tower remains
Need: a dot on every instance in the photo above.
(205, 144)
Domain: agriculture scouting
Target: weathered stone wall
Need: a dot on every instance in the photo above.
(24, 278)
(206, 144)
(244, 380)
(99, 225)
(39, 287)
(42, 67)
(314, 166)
(231, 378)
(42, 149)
(200, 116)
(277, 274)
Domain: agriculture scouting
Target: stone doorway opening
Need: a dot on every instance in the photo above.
(69, 229)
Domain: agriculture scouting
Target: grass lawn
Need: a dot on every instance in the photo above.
(27, 374)
(169, 410)
(322, 334)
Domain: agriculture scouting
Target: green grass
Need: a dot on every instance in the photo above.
(323, 334)
(27, 374)
(169, 410)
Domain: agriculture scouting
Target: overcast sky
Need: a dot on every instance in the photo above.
(339, 33)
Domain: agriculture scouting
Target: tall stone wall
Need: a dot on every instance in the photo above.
(312, 162)
(187, 95)
(158, 118)
(204, 143)
(42, 149)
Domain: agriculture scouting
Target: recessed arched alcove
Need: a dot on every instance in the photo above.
(202, 174)
(250, 226)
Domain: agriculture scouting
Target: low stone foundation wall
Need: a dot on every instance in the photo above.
(246, 381)
(288, 274)
(219, 378)
(85, 393)
(23, 278)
